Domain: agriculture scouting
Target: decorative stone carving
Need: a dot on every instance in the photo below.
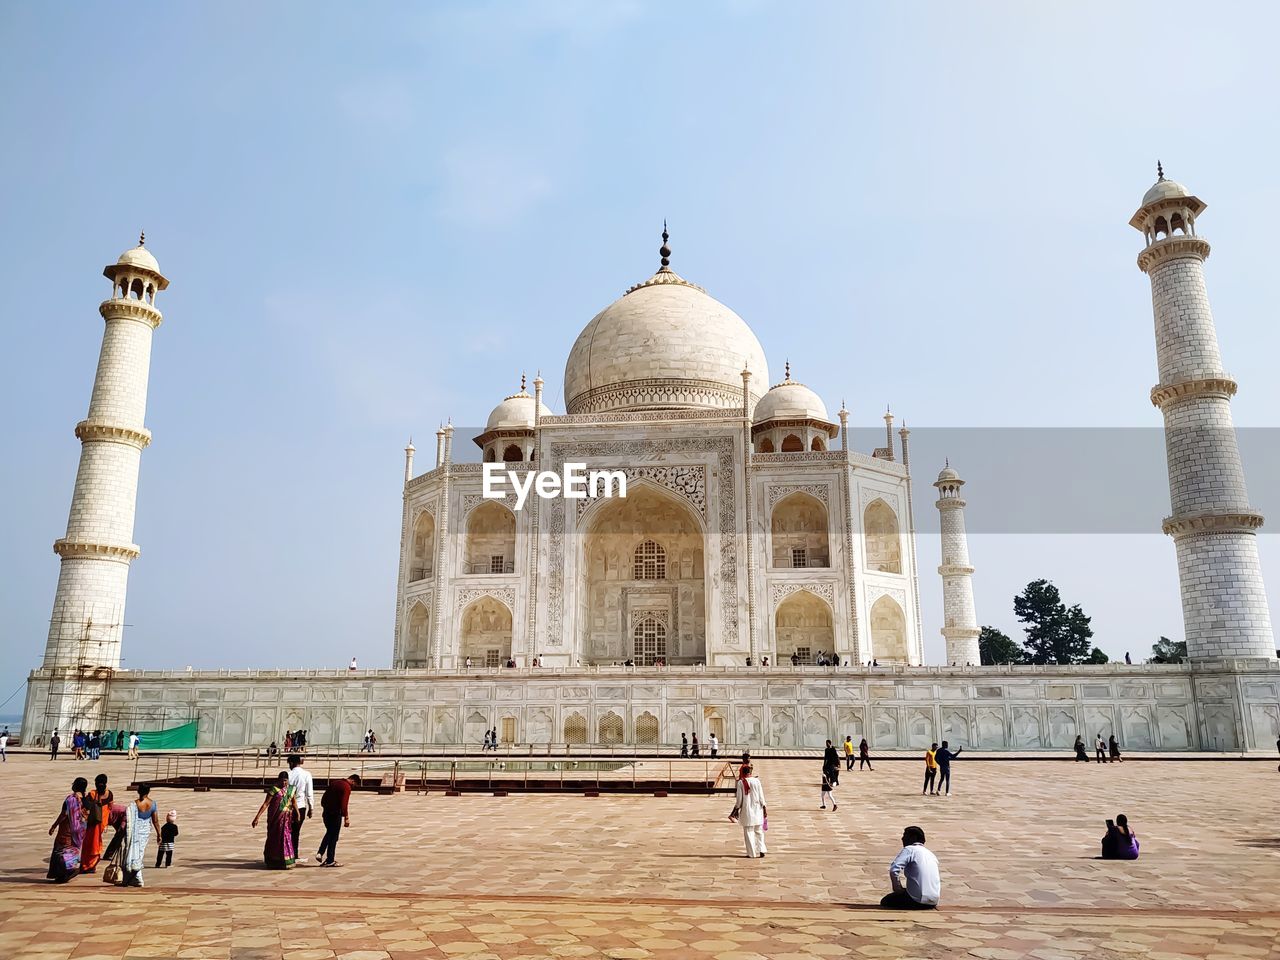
(780, 591)
(867, 494)
(876, 591)
(661, 616)
(819, 491)
(464, 597)
(469, 502)
(687, 481)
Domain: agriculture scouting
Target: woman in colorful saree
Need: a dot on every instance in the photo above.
(97, 805)
(280, 807)
(64, 862)
(139, 820)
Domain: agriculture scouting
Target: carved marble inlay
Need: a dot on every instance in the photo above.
(819, 491)
(597, 451)
(689, 481)
(868, 494)
(654, 613)
(469, 502)
(780, 591)
(467, 595)
(875, 592)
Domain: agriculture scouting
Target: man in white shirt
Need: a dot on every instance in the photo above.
(715, 746)
(134, 740)
(913, 875)
(752, 812)
(300, 782)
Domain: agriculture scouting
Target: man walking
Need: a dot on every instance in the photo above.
(4, 744)
(848, 752)
(752, 812)
(54, 742)
(913, 875)
(715, 744)
(334, 804)
(134, 740)
(304, 798)
(684, 744)
(831, 764)
(1100, 749)
(944, 757)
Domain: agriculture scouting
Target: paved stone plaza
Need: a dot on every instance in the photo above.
(569, 876)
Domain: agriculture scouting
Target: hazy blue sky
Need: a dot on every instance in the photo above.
(373, 219)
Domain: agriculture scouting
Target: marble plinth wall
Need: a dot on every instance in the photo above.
(1217, 705)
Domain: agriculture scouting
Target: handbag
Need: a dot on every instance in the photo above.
(113, 873)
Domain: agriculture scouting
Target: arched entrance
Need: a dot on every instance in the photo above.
(643, 595)
(803, 628)
(491, 539)
(417, 643)
(798, 529)
(486, 633)
(888, 631)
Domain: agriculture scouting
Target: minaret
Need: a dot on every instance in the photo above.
(960, 622)
(88, 608)
(1214, 529)
(408, 460)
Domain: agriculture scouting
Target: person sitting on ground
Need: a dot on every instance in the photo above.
(1120, 843)
(913, 875)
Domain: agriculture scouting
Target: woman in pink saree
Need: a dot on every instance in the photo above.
(280, 807)
(64, 862)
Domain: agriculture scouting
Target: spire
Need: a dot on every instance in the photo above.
(787, 378)
(665, 251)
(1159, 171)
(522, 381)
(142, 238)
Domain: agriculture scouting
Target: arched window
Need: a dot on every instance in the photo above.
(135, 290)
(416, 645)
(764, 446)
(817, 444)
(575, 728)
(422, 561)
(512, 454)
(611, 729)
(491, 539)
(792, 444)
(1161, 227)
(650, 562)
(650, 641)
(485, 636)
(798, 528)
(880, 530)
(490, 455)
(647, 729)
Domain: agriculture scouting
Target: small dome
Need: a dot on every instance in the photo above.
(515, 413)
(947, 474)
(1163, 190)
(790, 400)
(140, 257)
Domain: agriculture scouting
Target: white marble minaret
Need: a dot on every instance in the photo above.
(1224, 603)
(960, 621)
(88, 608)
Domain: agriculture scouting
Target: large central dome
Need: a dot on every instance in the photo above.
(664, 345)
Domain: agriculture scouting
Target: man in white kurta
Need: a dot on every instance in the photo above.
(752, 812)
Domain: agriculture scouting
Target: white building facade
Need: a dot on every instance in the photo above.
(750, 531)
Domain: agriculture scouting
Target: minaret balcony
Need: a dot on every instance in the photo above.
(1172, 248)
(120, 308)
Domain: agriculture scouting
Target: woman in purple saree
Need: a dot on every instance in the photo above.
(64, 862)
(1120, 842)
(280, 807)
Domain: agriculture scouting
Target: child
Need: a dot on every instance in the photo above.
(827, 791)
(168, 833)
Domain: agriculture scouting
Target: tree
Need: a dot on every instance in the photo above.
(1169, 651)
(1097, 656)
(1055, 632)
(995, 646)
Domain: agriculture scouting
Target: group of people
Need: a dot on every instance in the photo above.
(937, 769)
(289, 803)
(370, 743)
(491, 740)
(695, 750)
(295, 741)
(88, 745)
(1104, 751)
(81, 824)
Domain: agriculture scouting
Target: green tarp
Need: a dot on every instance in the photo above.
(175, 738)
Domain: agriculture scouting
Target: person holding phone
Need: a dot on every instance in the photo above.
(1120, 842)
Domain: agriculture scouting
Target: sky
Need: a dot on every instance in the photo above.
(374, 218)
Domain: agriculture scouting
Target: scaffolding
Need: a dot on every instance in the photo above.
(78, 685)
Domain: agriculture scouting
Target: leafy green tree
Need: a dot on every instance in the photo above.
(995, 646)
(1097, 656)
(1055, 632)
(1169, 651)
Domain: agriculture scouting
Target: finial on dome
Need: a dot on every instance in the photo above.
(522, 380)
(142, 238)
(946, 463)
(787, 378)
(1159, 171)
(665, 251)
